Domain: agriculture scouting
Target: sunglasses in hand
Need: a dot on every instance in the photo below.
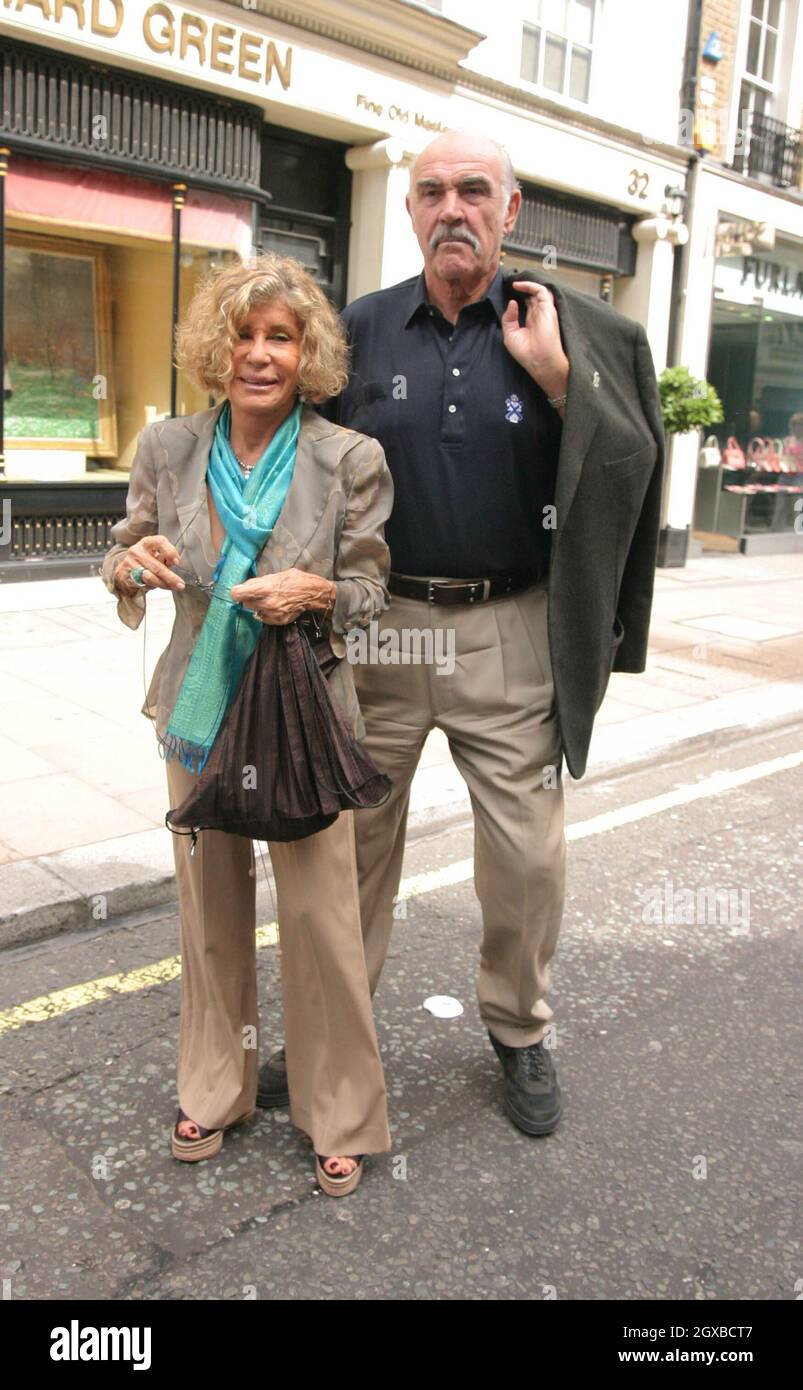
(208, 588)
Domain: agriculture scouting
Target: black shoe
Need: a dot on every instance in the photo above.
(272, 1082)
(532, 1093)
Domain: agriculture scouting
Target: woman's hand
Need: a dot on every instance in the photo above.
(280, 598)
(154, 554)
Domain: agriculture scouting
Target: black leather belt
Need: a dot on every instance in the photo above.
(462, 590)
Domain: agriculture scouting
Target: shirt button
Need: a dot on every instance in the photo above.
(452, 409)
(455, 371)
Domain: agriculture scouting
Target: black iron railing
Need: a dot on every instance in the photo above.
(583, 234)
(768, 149)
(58, 105)
(57, 524)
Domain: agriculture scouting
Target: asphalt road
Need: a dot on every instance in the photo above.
(675, 1173)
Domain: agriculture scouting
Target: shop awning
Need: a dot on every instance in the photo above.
(52, 195)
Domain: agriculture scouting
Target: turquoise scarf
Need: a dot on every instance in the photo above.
(248, 511)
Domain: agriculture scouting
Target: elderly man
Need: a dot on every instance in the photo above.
(526, 448)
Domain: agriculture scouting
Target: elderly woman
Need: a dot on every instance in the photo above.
(284, 512)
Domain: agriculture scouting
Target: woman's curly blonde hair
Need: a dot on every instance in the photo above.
(221, 304)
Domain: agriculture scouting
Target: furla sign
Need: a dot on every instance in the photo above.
(181, 39)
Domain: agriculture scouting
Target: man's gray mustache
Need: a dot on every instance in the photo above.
(453, 234)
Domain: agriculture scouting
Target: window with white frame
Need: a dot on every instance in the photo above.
(557, 46)
(766, 148)
(761, 63)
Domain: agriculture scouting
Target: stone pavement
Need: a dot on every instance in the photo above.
(82, 811)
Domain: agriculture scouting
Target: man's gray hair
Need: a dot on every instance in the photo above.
(509, 180)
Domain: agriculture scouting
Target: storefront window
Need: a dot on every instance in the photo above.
(216, 230)
(57, 345)
(756, 366)
(88, 321)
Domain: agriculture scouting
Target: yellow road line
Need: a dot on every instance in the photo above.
(62, 1001)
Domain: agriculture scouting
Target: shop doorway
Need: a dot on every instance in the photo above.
(308, 216)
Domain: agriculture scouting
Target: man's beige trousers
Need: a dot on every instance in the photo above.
(497, 711)
(334, 1071)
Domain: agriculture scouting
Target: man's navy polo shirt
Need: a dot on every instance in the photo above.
(470, 440)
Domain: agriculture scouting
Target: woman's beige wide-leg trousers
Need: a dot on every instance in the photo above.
(334, 1071)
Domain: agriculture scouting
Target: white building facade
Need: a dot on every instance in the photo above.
(583, 93)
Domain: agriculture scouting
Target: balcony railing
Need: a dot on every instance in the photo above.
(769, 149)
(55, 105)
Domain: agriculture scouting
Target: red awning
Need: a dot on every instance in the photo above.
(105, 200)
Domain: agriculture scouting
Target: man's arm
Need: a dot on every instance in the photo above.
(638, 580)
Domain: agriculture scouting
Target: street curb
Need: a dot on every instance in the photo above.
(55, 906)
(687, 747)
(456, 812)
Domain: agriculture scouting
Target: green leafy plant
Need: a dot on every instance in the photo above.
(687, 402)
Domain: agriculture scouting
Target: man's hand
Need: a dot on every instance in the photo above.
(280, 598)
(537, 346)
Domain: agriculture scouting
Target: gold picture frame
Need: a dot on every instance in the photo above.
(58, 346)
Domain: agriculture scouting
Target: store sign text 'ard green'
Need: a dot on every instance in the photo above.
(171, 30)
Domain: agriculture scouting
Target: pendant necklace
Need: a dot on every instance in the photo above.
(247, 468)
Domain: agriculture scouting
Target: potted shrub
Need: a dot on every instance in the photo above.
(687, 403)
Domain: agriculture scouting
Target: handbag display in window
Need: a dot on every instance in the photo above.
(710, 456)
(732, 454)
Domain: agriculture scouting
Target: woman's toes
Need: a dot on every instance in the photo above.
(344, 1167)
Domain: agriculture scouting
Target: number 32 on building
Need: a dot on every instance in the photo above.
(638, 183)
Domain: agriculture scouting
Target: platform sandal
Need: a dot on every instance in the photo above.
(343, 1184)
(208, 1143)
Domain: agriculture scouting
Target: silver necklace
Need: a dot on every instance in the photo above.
(247, 468)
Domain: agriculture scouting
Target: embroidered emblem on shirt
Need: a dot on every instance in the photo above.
(514, 410)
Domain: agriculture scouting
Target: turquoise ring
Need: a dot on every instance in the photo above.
(137, 577)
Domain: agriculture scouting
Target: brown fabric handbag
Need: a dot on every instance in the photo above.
(284, 763)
